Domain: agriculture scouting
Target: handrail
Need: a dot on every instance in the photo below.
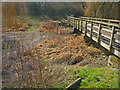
(110, 21)
(102, 19)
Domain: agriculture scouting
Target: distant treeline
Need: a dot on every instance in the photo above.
(58, 10)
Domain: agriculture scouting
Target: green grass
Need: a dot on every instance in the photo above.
(96, 77)
(35, 20)
(92, 77)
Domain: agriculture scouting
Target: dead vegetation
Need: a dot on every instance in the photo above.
(44, 66)
(51, 26)
(18, 27)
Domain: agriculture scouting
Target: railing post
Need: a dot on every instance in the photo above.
(78, 23)
(68, 18)
(99, 33)
(112, 37)
(81, 26)
(85, 28)
(91, 29)
(69, 21)
(73, 23)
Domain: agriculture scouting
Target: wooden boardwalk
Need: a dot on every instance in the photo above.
(105, 32)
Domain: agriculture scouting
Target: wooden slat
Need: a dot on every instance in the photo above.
(116, 52)
(88, 34)
(104, 45)
(106, 36)
(104, 29)
(94, 31)
(96, 27)
(118, 41)
(118, 33)
(95, 39)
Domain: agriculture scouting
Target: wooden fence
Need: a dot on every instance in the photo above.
(105, 32)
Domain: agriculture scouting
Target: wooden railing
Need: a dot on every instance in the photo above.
(105, 32)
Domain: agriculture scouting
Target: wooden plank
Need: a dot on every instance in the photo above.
(106, 36)
(101, 19)
(73, 85)
(85, 28)
(116, 52)
(91, 30)
(112, 37)
(116, 36)
(118, 41)
(81, 26)
(99, 33)
(94, 31)
(88, 34)
(95, 26)
(74, 24)
(104, 23)
(104, 29)
(104, 45)
(106, 33)
(78, 24)
(88, 30)
(118, 33)
(89, 26)
(95, 39)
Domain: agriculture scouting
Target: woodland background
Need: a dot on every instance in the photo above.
(58, 10)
